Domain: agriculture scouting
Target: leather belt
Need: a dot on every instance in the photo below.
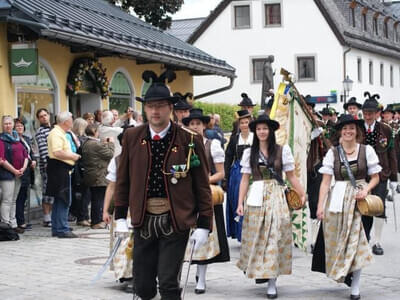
(157, 206)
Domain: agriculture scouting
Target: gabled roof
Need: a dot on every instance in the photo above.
(101, 25)
(183, 29)
(336, 14)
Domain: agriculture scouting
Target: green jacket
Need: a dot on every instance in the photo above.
(96, 156)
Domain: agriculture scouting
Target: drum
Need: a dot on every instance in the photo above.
(217, 194)
(371, 206)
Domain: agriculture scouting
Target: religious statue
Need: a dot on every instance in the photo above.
(268, 81)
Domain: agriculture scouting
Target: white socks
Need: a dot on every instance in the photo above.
(378, 225)
(271, 286)
(355, 283)
(47, 218)
(201, 273)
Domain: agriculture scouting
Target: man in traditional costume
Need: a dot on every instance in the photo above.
(182, 107)
(353, 108)
(379, 136)
(163, 178)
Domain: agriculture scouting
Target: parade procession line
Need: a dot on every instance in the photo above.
(41, 267)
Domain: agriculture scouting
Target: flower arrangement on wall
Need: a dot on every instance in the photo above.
(92, 67)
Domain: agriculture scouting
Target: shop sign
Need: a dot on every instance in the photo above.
(24, 64)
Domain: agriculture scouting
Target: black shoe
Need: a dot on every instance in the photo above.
(377, 249)
(272, 296)
(67, 235)
(46, 223)
(261, 281)
(355, 297)
(199, 291)
(19, 230)
(312, 248)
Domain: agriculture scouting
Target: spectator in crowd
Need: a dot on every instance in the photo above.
(115, 114)
(88, 117)
(97, 116)
(218, 129)
(108, 131)
(41, 140)
(60, 164)
(27, 178)
(96, 156)
(127, 119)
(80, 192)
(14, 161)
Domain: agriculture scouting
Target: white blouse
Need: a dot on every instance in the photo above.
(287, 160)
(112, 171)
(248, 141)
(217, 153)
(372, 161)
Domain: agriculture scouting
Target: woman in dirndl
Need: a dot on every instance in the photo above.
(122, 262)
(342, 250)
(216, 249)
(237, 144)
(266, 249)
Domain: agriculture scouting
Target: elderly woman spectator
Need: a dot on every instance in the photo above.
(107, 131)
(88, 117)
(96, 156)
(27, 178)
(80, 192)
(60, 164)
(14, 161)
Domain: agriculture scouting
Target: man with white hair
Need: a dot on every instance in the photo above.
(108, 132)
(59, 166)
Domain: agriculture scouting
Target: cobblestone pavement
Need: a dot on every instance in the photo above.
(41, 267)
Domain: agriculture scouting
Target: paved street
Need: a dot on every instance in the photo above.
(41, 267)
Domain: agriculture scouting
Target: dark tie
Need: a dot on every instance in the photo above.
(156, 137)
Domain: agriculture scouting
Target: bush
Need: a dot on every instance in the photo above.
(226, 111)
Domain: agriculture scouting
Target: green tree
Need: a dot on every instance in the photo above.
(154, 12)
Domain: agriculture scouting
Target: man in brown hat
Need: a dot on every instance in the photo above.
(379, 136)
(163, 179)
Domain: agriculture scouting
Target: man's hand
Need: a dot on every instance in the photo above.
(200, 236)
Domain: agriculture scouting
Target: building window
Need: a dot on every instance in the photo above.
(385, 30)
(121, 97)
(364, 21)
(396, 34)
(306, 68)
(257, 69)
(391, 76)
(242, 16)
(375, 25)
(272, 14)
(382, 79)
(371, 72)
(353, 16)
(359, 69)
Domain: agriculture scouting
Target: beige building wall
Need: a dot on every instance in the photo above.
(58, 59)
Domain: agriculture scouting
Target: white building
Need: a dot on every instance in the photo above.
(321, 41)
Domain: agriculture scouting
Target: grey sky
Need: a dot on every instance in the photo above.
(195, 9)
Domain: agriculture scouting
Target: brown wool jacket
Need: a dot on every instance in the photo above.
(387, 155)
(190, 198)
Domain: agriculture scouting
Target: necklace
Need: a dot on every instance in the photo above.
(349, 153)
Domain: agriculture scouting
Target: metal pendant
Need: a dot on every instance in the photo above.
(177, 175)
(183, 175)
(174, 180)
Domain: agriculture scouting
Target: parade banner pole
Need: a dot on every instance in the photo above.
(394, 208)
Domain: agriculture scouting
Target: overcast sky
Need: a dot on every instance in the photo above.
(195, 9)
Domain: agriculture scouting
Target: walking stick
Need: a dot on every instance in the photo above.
(187, 275)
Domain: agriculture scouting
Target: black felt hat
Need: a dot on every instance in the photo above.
(196, 114)
(158, 89)
(348, 119)
(274, 125)
(326, 111)
(182, 103)
(246, 101)
(389, 108)
(352, 101)
(371, 103)
(243, 114)
(307, 98)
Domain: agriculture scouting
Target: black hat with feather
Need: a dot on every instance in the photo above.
(158, 89)
(246, 101)
(371, 103)
(182, 103)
